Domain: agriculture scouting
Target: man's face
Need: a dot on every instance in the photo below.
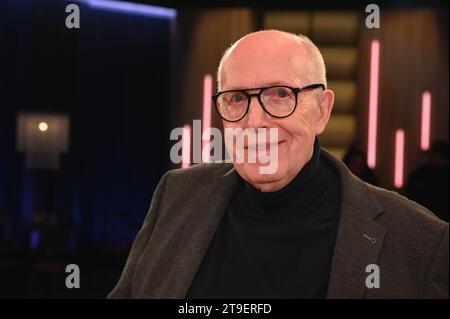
(254, 64)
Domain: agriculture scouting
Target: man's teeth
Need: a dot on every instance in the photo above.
(261, 147)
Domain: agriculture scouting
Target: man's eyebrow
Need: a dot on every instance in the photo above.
(280, 83)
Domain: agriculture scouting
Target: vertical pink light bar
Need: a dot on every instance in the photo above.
(426, 121)
(399, 157)
(373, 104)
(186, 146)
(207, 93)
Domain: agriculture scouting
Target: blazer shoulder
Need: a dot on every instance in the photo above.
(199, 172)
(398, 210)
(404, 212)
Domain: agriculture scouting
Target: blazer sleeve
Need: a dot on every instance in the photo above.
(123, 286)
(437, 279)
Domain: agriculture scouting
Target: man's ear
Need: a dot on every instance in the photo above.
(326, 102)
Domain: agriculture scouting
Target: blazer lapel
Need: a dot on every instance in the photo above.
(199, 231)
(358, 243)
(359, 239)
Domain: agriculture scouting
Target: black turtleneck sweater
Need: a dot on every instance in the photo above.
(278, 244)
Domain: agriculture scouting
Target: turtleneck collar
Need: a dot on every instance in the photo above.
(285, 204)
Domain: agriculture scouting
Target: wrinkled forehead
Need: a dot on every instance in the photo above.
(260, 65)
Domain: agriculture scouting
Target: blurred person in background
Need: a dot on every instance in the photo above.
(356, 161)
(428, 182)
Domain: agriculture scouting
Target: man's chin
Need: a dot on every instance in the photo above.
(256, 176)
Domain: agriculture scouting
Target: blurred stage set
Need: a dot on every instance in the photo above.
(86, 114)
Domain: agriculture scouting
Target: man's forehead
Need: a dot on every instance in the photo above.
(245, 80)
(266, 39)
(264, 51)
(264, 59)
(263, 71)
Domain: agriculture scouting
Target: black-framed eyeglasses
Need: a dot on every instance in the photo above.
(278, 101)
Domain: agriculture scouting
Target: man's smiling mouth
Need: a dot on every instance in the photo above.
(264, 146)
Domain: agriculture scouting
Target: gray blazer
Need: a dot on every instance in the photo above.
(407, 242)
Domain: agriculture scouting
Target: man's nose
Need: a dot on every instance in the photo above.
(256, 116)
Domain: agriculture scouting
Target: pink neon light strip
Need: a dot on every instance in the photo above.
(207, 93)
(399, 158)
(186, 146)
(373, 103)
(426, 121)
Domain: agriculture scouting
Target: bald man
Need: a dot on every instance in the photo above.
(306, 229)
